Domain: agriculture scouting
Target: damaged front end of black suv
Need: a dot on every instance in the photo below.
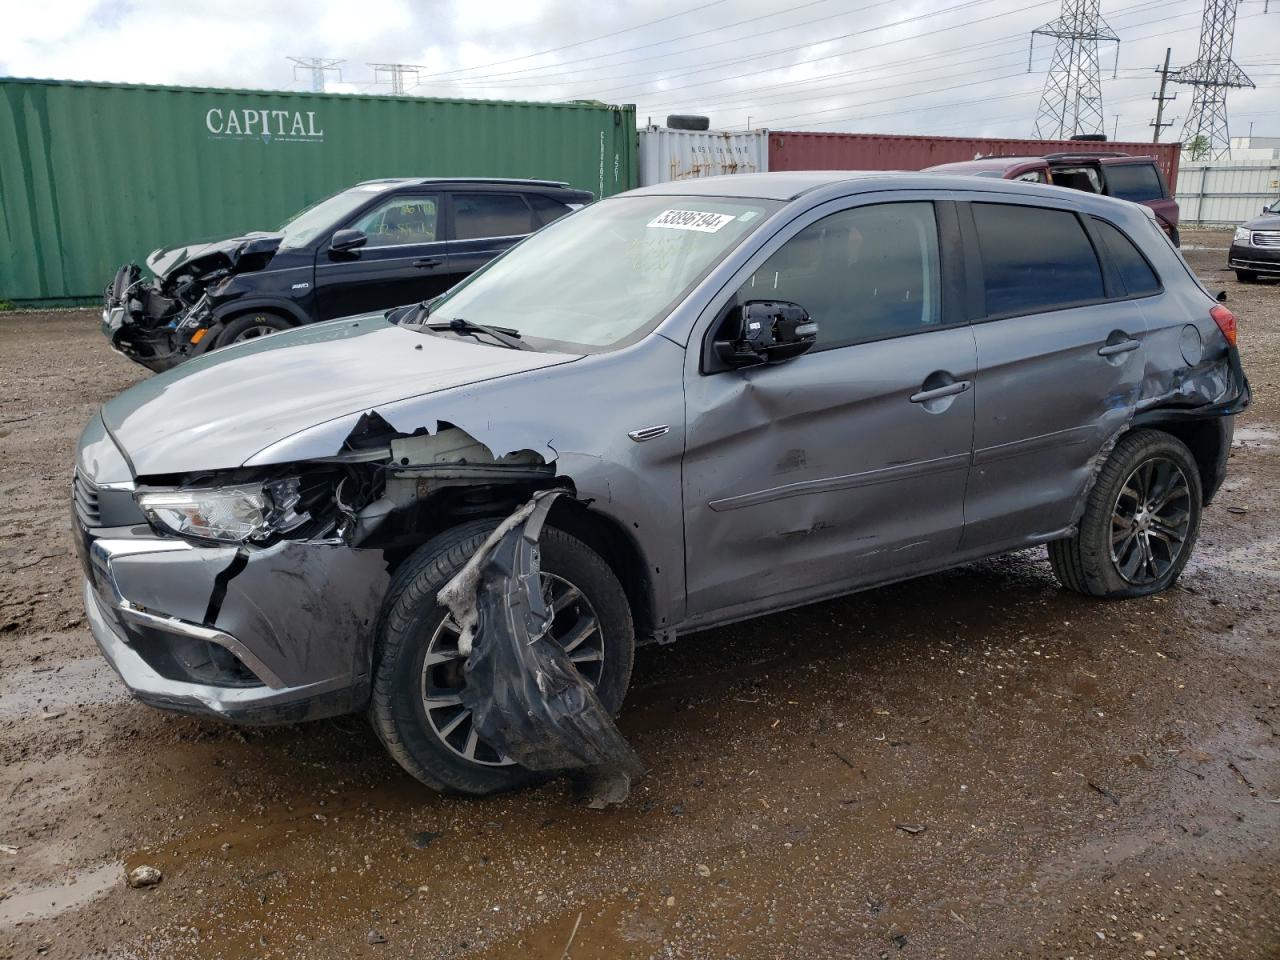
(166, 319)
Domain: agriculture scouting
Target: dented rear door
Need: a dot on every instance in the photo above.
(1060, 363)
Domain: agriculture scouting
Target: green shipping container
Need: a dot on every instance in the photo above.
(94, 175)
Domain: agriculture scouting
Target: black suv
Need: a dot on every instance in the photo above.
(379, 244)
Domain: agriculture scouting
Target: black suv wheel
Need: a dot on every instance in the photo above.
(418, 673)
(1140, 522)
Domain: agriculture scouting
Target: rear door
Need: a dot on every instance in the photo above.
(1060, 362)
(1143, 183)
(405, 259)
(846, 465)
(484, 224)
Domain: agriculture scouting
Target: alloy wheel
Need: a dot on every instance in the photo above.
(574, 626)
(254, 333)
(1150, 521)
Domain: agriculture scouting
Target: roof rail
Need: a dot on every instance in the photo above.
(1068, 154)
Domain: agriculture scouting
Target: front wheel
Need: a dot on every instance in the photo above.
(251, 326)
(1140, 521)
(1246, 276)
(416, 705)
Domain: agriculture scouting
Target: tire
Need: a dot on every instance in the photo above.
(1175, 237)
(687, 121)
(409, 624)
(250, 326)
(1246, 276)
(1087, 562)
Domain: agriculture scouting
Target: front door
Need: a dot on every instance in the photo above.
(1060, 366)
(846, 465)
(405, 259)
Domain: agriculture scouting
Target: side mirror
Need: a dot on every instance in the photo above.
(344, 241)
(765, 331)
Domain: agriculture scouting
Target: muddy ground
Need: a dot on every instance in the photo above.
(975, 764)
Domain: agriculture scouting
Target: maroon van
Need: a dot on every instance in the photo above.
(1138, 179)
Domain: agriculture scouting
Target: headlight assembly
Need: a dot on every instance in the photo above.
(232, 514)
(1242, 235)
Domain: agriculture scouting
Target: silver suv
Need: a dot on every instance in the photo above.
(757, 391)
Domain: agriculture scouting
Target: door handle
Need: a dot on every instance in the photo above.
(428, 262)
(937, 393)
(1124, 346)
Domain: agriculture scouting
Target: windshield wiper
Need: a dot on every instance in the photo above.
(504, 335)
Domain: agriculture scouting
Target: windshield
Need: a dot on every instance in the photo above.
(1275, 207)
(603, 277)
(304, 226)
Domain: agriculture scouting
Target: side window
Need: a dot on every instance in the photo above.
(400, 221)
(480, 215)
(1078, 178)
(862, 274)
(1135, 273)
(1034, 259)
(1032, 176)
(546, 209)
(1134, 181)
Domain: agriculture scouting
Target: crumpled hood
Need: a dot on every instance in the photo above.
(216, 411)
(1270, 221)
(211, 254)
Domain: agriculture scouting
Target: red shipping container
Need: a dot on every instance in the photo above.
(805, 150)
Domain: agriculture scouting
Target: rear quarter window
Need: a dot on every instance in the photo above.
(1133, 181)
(1034, 259)
(545, 209)
(477, 216)
(1135, 274)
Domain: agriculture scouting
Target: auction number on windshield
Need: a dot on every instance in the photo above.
(691, 220)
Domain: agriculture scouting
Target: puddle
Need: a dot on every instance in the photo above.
(1263, 437)
(30, 691)
(51, 901)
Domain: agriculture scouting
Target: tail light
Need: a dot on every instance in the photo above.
(1226, 321)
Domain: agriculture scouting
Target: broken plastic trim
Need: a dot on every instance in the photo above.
(527, 699)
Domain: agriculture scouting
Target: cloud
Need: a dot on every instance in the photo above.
(911, 66)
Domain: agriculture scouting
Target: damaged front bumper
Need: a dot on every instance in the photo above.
(253, 636)
(162, 346)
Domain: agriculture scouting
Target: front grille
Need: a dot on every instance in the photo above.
(85, 497)
(1266, 238)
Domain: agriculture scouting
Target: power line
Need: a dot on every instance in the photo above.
(915, 61)
(559, 71)
(914, 38)
(948, 54)
(579, 43)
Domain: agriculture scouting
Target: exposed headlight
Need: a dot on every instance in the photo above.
(230, 514)
(1242, 235)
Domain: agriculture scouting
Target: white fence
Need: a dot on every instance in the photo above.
(1225, 193)
(667, 155)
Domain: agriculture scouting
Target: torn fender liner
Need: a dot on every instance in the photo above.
(527, 699)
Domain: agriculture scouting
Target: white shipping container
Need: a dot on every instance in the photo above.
(667, 155)
(1225, 193)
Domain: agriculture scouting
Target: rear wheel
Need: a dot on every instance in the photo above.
(251, 326)
(1246, 276)
(1140, 522)
(417, 709)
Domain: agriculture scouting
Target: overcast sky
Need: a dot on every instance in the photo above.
(954, 67)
